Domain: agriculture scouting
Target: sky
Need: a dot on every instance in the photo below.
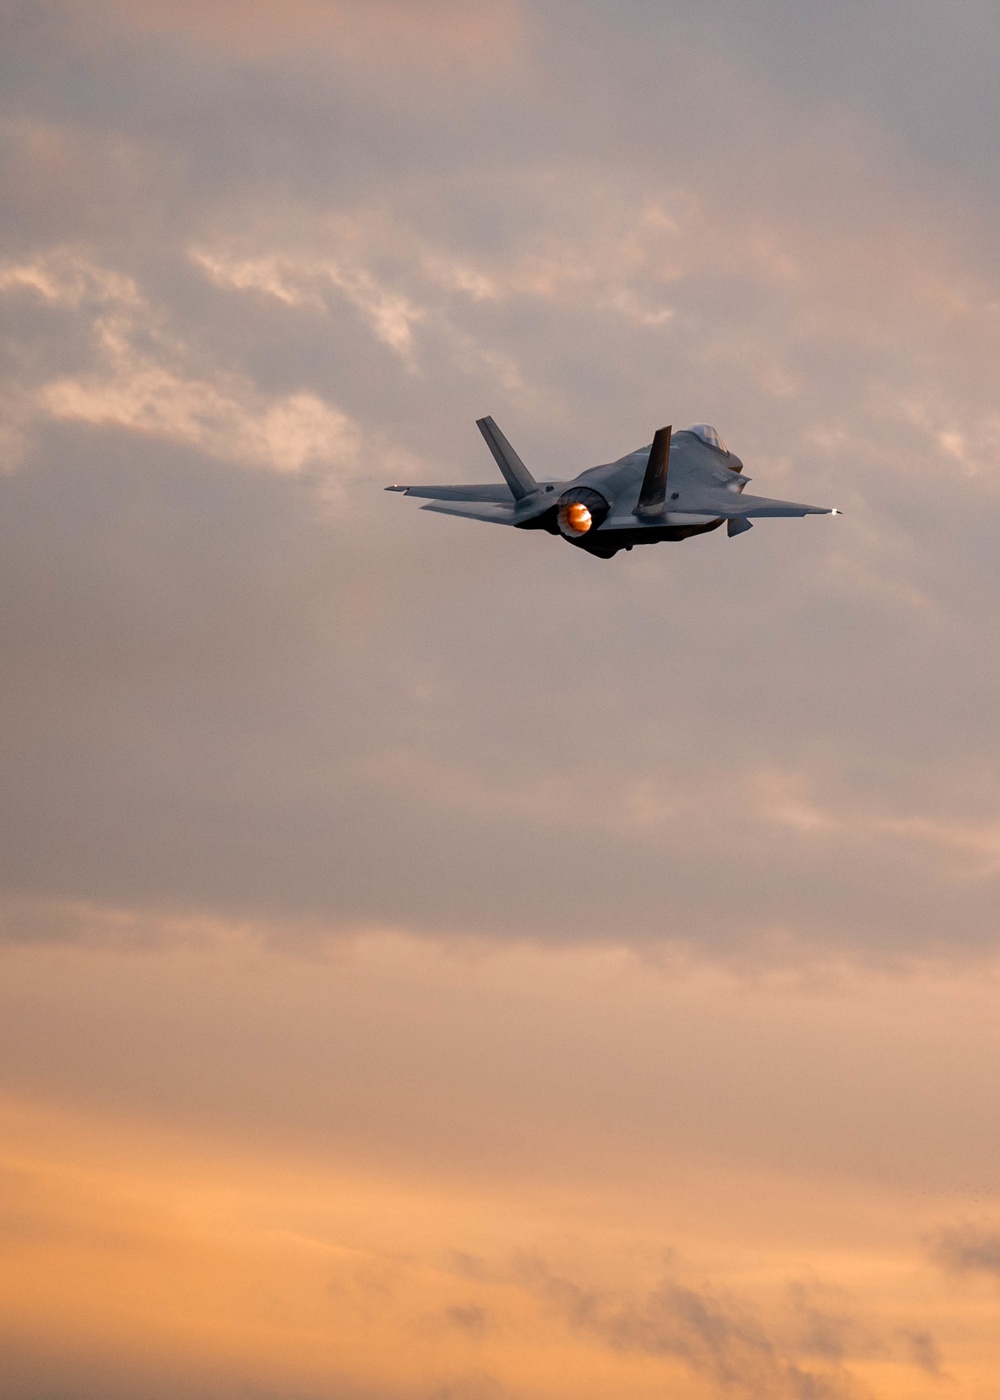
(436, 964)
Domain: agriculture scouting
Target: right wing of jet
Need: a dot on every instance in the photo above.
(734, 505)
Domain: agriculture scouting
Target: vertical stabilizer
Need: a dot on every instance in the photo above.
(653, 493)
(516, 474)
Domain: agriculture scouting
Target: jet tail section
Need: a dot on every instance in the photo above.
(491, 512)
(653, 494)
(515, 473)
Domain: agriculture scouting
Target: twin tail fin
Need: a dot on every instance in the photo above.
(515, 473)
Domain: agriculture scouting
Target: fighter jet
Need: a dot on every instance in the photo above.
(684, 483)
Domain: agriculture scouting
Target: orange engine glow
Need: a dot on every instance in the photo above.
(577, 519)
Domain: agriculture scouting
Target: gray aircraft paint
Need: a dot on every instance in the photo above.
(704, 489)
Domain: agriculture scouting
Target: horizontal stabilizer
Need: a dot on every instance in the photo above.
(515, 473)
(474, 510)
(653, 493)
(493, 492)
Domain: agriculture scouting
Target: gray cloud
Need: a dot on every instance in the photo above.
(469, 1317)
(966, 1249)
(716, 1337)
(924, 1351)
(826, 1327)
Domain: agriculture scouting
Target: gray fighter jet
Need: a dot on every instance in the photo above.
(685, 483)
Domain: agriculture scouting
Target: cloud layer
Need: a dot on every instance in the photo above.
(392, 1170)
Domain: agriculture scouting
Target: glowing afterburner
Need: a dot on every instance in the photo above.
(575, 519)
(580, 511)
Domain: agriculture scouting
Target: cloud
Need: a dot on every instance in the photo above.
(827, 1327)
(390, 315)
(724, 1340)
(439, 34)
(974, 848)
(925, 1352)
(468, 1316)
(966, 1249)
(136, 379)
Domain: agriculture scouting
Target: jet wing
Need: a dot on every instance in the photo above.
(732, 505)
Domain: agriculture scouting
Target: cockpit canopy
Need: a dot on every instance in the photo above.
(708, 434)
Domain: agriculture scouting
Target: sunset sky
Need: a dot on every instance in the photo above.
(436, 964)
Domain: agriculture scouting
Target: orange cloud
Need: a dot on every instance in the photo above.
(148, 1260)
(142, 379)
(369, 33)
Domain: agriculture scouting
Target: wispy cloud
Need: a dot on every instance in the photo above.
(966, 849)
(715, 1337)
(966, 1249)
(390, 314)
(139, 378)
